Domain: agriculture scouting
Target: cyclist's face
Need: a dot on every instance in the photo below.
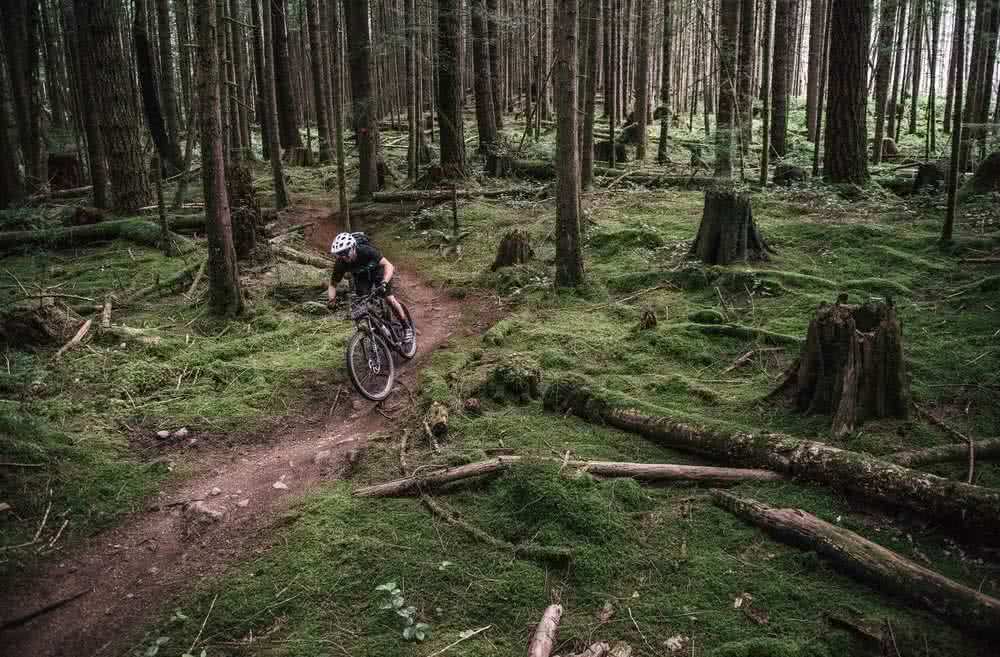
(346, 256)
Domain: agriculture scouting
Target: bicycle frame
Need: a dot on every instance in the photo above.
(369, 312)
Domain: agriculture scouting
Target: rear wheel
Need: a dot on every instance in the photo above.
(370, 365)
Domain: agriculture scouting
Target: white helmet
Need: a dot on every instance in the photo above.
(343, 243)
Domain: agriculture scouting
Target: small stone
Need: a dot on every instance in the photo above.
(322, 457)
(280, 485)
(4, 507)
(203, 512)
(243, 503)
(356, 405)
(216, 491)
(192, 442)
(182, 433)
(473, 406)
(163, 434)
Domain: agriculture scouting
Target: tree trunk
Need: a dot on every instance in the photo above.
(888, 571)
(728, 232)
(260, 99)
(851, 366)
(270, 109)
(287, 110)
(569, 259)
(169, 152)
(642, 80)
(846, 139)
(338, 117)
(765, 85)
(817, 16)
(784, 28)
(20, 22)
(225, 298)
(119, 117)
(241, 71)
(11, 187)
(514, 249)
(745, 95)
(958, 47)
(665, 109)
(897, 75)
(319, 81)
(544, 638)
(984, 449)
(729, 21)
(883, 70)
(590, 93)
(168, 93)
(975, 82)
(495, 77)
(868, 477)
(987, 177)
(915, 67)
(485, 118)
(449, 89)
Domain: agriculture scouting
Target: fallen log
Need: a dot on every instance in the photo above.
(141, 232)
(304, 258)
(168, 283)
(139, 335)
(409, 195)
(872, 563)
(745, 333)
(599, 649)
(60, 193)
(985, 449)
(75, 340)
(642, 471)
(875, 479)
(544, 638)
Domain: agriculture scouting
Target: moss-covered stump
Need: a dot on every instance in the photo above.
(36, 326)
(987, 177)
(513, 378)
(851, 366)
(514, 249)
(728, 232)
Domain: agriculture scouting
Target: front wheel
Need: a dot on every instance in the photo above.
(370, 365)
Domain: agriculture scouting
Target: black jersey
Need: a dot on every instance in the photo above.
(365, 268)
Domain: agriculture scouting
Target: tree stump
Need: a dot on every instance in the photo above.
(786, 174)
(930, 175)
(514, 249)
(245, 228)
(648, 319)
(851, 366)
(987, 176)
(728, 232)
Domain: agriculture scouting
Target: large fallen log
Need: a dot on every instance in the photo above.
(985, 449)
(545, 170)
(304, 258)
(642, 471)
(141, 232)
(544, 638)
(875, 479)
(408, 195)
(872, 563)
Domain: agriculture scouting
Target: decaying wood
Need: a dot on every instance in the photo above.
(106, 313)
(867, 476)
(165, 284)
(851, 366)
(437, 419)
(514, 249)
(141, 336)
(410, 195)
(544, 638)
(985, 449)
(938, 422)
(319, 262)
(197, 279)
(139, 231)
(641, 471)
(728, 232)
(599, 649)
(75, 340)
(872, 563)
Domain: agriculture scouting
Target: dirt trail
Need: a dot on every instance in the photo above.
(131, 573)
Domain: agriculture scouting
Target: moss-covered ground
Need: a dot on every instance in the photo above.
(657, 567)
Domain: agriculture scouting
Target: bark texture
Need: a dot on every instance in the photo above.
(846, 138)
(170, 153)
(729, 22)
(728, 232)
(449, 88)
(514, 249)
(271, 112)
(883, 73)
(869, 562)
(569, 258)
(287, 111)
(784, 30)
(485, 117)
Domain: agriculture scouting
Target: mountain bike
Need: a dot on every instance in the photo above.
(370, 350)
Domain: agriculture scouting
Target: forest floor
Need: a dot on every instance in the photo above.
(300, 571)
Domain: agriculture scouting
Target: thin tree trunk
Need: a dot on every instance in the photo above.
(897, 76)
(183, 22)
(642, 79)
(817, 14)
(19, 21)
(845, 153)
(270, 110)
(241, 94)
(765, 85)
(90, 105)
(666, 88)
(883, 70)
(569, 259)
(932, 92)
(483, 84)
(164, 142)
(319, 81)
(915, 58)
(11, 186)
(744, 105)
(784, 24)
(261, 102)
(496, 78)
(958, 44)
(449, 90)
(729, 21)
(823, 87)
(950, 92)
(590, 101)
(972, 92)
(338, 117)
(168, 93)
(287, 111)
(225, 298)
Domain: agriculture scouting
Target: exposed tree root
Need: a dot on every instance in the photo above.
(872, 563)
(875, 479)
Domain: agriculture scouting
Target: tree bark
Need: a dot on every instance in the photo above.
(642, 79)
(784, 27)
(729, 22)
(851, 366)
(20, 22)
(449, 89)
(958, 46)
(287, 110)
(745, 95)
(666, 88)
(164, 142)
(590, 100)
(119, 117)
(765, 65)
(728, 232)
(11, 185)
(485, 118)
(225, 297)
(897, 75)
(883, 71)
(869, 477)
(496, 78)
(915, 63)
(846, 138)
(984, 449)
(270, 109)
(319, 81)
(514, 249)
(569, 258)
(168, 90)
(260, 99)
(869, 562)
(817, 16)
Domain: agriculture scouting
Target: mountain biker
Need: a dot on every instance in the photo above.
(371, 272)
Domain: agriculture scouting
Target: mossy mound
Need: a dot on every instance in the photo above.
(509, 280)
(768, 647)
(707, 316)
(610, 243)
(515, 377)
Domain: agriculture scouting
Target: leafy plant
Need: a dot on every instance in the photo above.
(394, 601)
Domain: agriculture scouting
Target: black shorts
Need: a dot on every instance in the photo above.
(363, 286)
